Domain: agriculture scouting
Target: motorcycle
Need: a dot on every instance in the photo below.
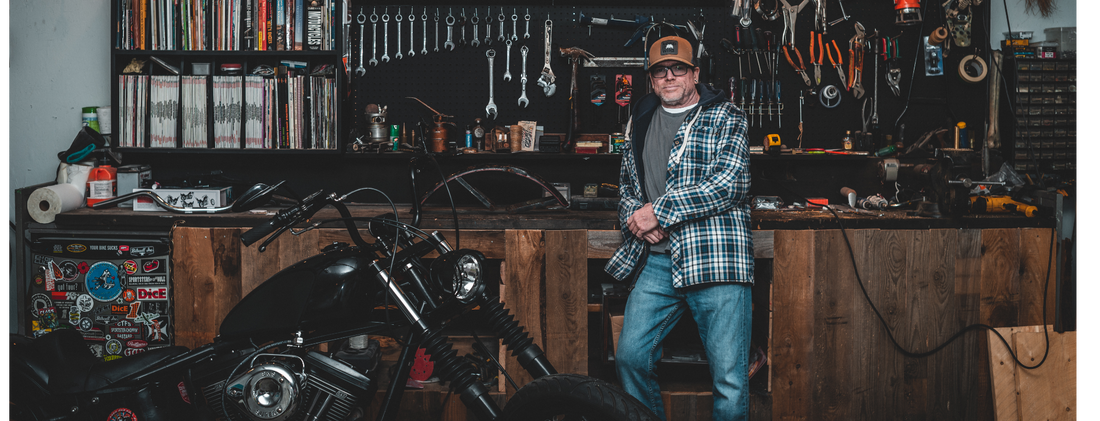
(263, 366)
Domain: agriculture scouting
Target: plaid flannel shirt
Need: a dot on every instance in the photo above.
(705, 210)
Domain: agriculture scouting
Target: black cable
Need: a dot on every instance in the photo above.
(1007, 21)
(494, 359)
(454, 210)
(916, 58)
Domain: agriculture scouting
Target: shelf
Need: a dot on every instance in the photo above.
(232, 53)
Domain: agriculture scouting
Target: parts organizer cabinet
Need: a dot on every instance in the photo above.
(1043, 134)
(829, 357)
(180, 97)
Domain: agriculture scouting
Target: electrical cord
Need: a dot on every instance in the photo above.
(956, 335)
(916, 55)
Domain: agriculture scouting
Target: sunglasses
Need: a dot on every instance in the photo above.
(661, 71)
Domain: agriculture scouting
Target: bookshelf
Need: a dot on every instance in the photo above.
(222, 75)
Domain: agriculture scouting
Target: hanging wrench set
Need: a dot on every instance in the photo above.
(476, 61)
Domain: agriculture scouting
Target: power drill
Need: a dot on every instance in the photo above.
(1001, 204)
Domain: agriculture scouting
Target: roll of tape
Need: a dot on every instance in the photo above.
(973, 69)
(937, 36)
(45, 203)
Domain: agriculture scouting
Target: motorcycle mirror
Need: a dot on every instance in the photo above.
(255, 196)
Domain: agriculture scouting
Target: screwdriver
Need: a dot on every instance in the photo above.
(779, 100)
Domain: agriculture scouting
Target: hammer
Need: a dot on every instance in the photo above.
(575, 55)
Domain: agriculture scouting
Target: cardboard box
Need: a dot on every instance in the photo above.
(616, 329)
(207, 198)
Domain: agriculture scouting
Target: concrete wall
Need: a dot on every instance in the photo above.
(1064, 15)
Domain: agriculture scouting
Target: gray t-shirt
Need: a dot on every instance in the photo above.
(658, 147)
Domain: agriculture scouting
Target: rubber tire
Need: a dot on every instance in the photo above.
(580, 397)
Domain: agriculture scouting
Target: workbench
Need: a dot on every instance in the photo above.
(829, 356)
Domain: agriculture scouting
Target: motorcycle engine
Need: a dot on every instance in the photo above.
(291, 388)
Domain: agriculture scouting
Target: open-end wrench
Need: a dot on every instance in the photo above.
(507, 60)
(527, 24)
(436, 30)
(488, 26)
(500, 18)
(515, 18)
(523, 78)
(491, 108)
(450, 45)
(386, 35)
(398, 17)
(462, 25)
(412, 35)
(360, 71)
(474, 21)
(424, 28)
(546, 79)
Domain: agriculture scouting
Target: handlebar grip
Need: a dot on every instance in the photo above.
(258, 232)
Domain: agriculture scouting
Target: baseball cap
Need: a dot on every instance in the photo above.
(670, 48)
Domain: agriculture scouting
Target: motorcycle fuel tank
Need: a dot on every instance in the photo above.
(322, 290)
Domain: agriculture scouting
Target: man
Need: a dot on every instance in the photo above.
(685, 220)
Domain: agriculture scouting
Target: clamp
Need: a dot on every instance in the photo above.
(790, 17)
(855, 61)
(801, 67)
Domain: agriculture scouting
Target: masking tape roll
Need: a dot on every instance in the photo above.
(45, 203)
(937, 36)
(975, 64)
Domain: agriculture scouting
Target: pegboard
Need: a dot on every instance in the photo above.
(457, 82)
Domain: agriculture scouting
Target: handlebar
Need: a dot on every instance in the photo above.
(259, 232)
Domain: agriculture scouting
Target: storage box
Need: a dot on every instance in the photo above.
(201, 198)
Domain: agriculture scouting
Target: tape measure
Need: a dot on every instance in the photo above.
(973, 69)
(773, 144)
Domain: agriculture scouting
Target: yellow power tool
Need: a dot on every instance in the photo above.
(1001, 204)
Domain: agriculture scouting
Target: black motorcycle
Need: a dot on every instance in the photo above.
(262, 366)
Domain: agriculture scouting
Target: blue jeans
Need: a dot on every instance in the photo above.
(723, 312)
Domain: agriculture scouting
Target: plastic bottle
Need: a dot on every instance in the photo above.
(102, 182)
(847, 142)
(961, 138)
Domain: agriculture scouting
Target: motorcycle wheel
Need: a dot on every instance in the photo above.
(575, 398)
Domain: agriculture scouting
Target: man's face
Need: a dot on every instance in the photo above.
(674, 91)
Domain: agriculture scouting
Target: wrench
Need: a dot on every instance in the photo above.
(462, 24)
(412, 34)
(546, 80)
(450, 45)
(398, 18)
(386, 35)
(360, 71)
(508, 60)
(500, 18)
(474, 21)
(523, 78)
(488, 26)
(424, 27)
(437, 31)
(515, 18)
(491, 108)
(527, 24)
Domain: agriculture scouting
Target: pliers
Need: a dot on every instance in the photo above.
(817, 56)
(801, 67)
(838, 64)
(790, 16)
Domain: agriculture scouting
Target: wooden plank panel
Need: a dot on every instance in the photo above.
(791, 342)
(973, 374)
(892, 383)
(1036, 256)
(206, 280)
(566, 303)
(1000, 277)
(257, 267)
(602, 243)
(1002, 369)
(525, 266)
(489, 242)
(1048, 392)
(933, 318)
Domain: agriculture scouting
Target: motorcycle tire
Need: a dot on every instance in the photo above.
(574, 397)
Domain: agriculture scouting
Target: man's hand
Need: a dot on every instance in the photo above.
(643, 224)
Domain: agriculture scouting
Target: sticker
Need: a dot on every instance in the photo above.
(93, 334)
(120, 309)
(156, 331)
(97, 350)
(133, 314)
(48, 317)
(130, 352)
(136, 281)
(82, 267)
(153, 293)
(72, 287)
(39, 302)
(102, 282)
(151, 266)
(53, 275)
(159, 307)
(85, 324)
(128, 295)
(39, 278)
(130, 267)
(41, 260)
(76, 248)
(114, 347)
(61, 295)
(107, 358)
(136, 344)
(124, 330)
(122, 414)
(70, 271)
(84, 302)
(183, 392)
(141, 251)
(74, 315)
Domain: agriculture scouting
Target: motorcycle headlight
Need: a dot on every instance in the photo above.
(460, 273)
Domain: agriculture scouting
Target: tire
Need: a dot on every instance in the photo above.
(574, 397)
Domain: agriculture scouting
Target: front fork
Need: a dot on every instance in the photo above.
(448, 365)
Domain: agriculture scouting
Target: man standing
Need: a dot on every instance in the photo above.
(685, 218)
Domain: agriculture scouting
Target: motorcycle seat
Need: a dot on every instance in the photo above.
(74, 369)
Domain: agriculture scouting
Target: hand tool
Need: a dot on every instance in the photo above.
(874, 86)
(733, 91)
(752, 103)
(756, 49)
(386, 35)
(436, 49)
(816, 56)
(838, 64)
(763, 94)
(546, 79)
(527, 24)
(829, 96)
(701, 55)
(893, 72)
(462, 26)
(360, 71)
(790, 17)
(398, 17)
(500, 18)
(819, 17)
(768, 92)
(412, 33)
(507, 60)
(746, 13)
(779, 104)
(575, 55)
(800, 67)
(450, 44)
(475, 42)
(424, 29)
(346, 27)
(855, 61)
(523, 77)
(726, 44)
(491, 108)
(488, 26)
(801, 102)
(843, 15)
(515, 18)
(769, 42)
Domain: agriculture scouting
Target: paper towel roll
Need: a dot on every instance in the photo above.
(45, 203)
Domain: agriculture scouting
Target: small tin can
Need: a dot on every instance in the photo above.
(617, 141)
